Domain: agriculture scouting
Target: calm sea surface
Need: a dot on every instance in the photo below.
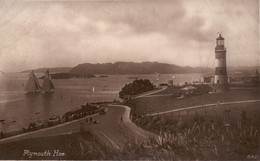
(19, 109)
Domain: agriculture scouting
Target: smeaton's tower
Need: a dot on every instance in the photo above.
(221, 79)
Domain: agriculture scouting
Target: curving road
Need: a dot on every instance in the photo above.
(109, 127)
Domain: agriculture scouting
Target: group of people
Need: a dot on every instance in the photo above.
(90, 119)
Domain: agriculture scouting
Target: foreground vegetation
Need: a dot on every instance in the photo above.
(200, 137)
(83, 146)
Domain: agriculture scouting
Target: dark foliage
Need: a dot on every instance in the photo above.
(136, 87)
(202, 89)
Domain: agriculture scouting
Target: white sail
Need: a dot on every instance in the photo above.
(33, 83)
(47, 85)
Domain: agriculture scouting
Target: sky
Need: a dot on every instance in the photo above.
(35, 34)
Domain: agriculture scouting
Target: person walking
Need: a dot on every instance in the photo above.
(218, 103)
(2, 135)
(121, 120)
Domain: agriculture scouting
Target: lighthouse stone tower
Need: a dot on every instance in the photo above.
(221, 79)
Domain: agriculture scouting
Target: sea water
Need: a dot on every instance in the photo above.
(18, 109)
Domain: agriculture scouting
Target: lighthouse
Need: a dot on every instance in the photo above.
(220, 79)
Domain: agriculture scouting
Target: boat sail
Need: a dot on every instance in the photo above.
(47, 85)
(33, 84)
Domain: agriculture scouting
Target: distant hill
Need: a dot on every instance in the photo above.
(136, 68)
(52, 70)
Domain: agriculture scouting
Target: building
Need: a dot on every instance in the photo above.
(206, 78)
(220, 78)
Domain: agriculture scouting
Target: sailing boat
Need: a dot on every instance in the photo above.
(158, 75)
(93, 89)
(47, 85)
(33, 85)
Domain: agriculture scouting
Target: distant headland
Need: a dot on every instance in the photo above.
(125, 68)
(87, 69)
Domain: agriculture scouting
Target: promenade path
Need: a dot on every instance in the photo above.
(110, 127)
(146, 94)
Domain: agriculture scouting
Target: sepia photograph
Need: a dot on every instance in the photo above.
(129, 80)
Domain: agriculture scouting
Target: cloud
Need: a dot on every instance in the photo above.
(182, 32)
(144, 17)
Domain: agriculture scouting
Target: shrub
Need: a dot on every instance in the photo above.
(136, 87)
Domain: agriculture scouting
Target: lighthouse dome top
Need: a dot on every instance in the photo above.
(220, 37)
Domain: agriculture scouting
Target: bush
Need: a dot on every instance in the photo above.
(136, 87)
(202, 89)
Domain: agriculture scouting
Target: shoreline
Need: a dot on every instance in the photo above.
(51, 124)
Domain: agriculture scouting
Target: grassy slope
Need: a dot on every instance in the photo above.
(165, 103)
(201, 134)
